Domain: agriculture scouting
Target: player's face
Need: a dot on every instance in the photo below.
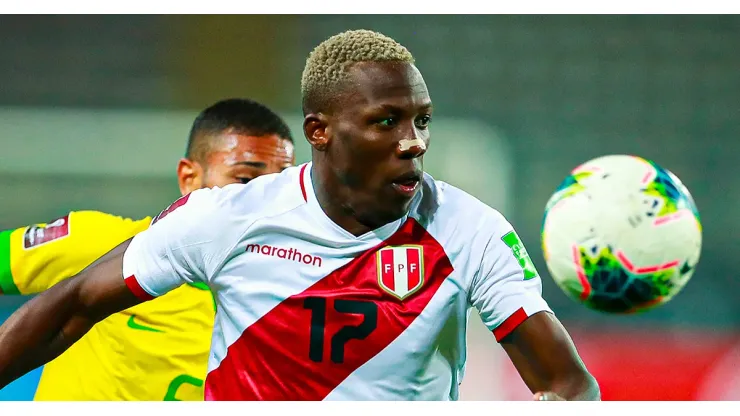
(377, 138)
(239, 158)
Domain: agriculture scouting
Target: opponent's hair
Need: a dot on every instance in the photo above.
(328, 64)
(237, 115)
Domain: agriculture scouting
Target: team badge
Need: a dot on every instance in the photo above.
(37, 235)
(401, 270)
(511, 239)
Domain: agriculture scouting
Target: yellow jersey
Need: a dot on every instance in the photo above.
(157, 350)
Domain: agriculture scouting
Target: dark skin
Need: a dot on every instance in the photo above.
(367, 152)
(51, 322)
(358, 154)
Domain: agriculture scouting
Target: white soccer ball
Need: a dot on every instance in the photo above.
(621, 234)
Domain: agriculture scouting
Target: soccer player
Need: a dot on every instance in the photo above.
(349, 277)
(157, 350)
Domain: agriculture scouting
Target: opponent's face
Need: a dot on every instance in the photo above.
(377, 137)
(239, 158)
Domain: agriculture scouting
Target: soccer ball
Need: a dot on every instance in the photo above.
(621, 234)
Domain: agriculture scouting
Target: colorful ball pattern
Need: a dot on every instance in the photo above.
(621, 234)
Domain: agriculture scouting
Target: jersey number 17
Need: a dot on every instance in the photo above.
(318, 307)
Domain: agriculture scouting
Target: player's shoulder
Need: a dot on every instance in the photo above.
(265, 195)
(77, 228)
(94, 218)
(275, 193)
(447, 205)
(270, 195)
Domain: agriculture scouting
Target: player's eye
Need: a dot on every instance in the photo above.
(423, 121)
(244, 180)
(388, 122)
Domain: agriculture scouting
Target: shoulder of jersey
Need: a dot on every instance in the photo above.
(81, 226)
(444, 202)
(270, 194)
(92, 216)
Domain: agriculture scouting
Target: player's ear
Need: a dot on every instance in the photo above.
(316, 129)
(189, 176)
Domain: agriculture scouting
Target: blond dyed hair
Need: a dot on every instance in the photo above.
(328, 64)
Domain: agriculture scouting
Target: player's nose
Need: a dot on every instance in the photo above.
(411, 148)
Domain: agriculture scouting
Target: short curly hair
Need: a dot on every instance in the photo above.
(237, 115)
(327, 65)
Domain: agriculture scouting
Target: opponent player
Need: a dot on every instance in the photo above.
(157, 350)
(349, 277)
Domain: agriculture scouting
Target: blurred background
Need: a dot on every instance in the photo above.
(95, 111)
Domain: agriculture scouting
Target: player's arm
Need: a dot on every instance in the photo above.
(507, 291)
(51, 322)
(545, 357)
(36, 257)
(168, 254)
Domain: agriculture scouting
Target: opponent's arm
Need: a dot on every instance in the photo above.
(546, 359)
(185, 240)
(50, 323)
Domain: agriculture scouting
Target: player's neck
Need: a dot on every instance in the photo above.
(331, 204)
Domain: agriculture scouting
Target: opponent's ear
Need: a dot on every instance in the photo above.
(189, 175)
(316, 129)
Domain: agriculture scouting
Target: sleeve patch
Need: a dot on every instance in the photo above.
(511, 239)
(38, 235)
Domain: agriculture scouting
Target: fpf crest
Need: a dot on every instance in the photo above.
(401, 270)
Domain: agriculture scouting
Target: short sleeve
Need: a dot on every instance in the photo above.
(36, 257)
(180, 246)
(507, 288)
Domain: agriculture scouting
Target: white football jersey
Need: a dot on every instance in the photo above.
(308, 311)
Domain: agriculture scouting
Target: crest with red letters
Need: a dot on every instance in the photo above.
(401, 270)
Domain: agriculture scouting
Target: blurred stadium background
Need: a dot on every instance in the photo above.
(95, 111)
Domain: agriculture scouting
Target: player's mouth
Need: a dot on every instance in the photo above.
(407, 184)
